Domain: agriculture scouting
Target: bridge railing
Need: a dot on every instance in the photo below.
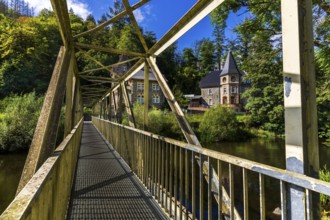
(168, 168)
(46, 195)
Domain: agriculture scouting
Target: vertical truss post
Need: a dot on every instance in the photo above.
(115, 106)
(69, 97)
(128, 105)
(174, 105)
(110, 106)
(44, 138)
(119, 105)
(302, 154)
(146, 96)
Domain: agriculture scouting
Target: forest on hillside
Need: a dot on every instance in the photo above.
(29, 46)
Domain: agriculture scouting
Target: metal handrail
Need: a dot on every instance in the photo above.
(156, 143)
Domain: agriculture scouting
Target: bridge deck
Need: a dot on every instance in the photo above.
(105, 187)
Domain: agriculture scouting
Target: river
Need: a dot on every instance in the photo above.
(11, 166)
(259, 150)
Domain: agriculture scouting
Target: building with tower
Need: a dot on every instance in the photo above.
(224, 86)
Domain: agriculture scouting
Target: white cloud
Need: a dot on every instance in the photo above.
(80, 8)
(139, 16)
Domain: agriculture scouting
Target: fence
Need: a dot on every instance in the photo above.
(169, 169)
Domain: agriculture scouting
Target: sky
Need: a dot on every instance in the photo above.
(157, 16)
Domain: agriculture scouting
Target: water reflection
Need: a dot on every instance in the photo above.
(270, 152)
(11, 166)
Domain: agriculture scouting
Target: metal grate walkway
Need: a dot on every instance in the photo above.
(105, 187)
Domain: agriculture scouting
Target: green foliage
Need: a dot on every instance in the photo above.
(219, 124)
(28, 47)
(19, 115)
(325, 200)
(161, 122)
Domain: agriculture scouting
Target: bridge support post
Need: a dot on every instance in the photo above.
(146, 95)
(174, 105)
(128, 105)
(302, 152)
(44, 138)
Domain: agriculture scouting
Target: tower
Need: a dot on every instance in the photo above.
(230, 79)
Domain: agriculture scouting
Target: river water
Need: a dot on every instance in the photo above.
(269, 152)
(11, 166)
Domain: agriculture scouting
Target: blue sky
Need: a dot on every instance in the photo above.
(157, 16)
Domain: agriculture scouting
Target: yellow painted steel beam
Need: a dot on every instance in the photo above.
(112, 20)
(135, 25)
(109, 50)
(110, 66)
(199, 11)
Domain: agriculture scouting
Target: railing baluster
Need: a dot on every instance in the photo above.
(308, 208)
(167, 164)
(160, 154)
(193, 186)
(154, 167)
(209, 190)
(283, 200)
(201, 188)
(231, 191)
(262, 197)
(181, 182)
(245, 194)
(175, 182)
(163, 174)
(187, 183)
(171, 177)
(219, 166)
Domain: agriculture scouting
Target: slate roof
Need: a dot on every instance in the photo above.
(140, 75)
(230, 66)
(212, 79)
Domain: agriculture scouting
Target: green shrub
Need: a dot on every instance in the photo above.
(325, 200)
(19, 116)
(161, 122)
(219, 124)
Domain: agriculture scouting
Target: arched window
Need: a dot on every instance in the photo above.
(224, 79)
(224, 100)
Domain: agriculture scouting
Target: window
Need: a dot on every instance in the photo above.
(210, 102)
(210, 92)
(233, 79)
(156, 99)
(233, 89)
(224, 79)
(140, 99)
(155, 87)
(224, 90)
(224, 100)
(232, 100)
(140, 86)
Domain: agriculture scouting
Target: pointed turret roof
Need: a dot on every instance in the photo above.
(230, 66)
